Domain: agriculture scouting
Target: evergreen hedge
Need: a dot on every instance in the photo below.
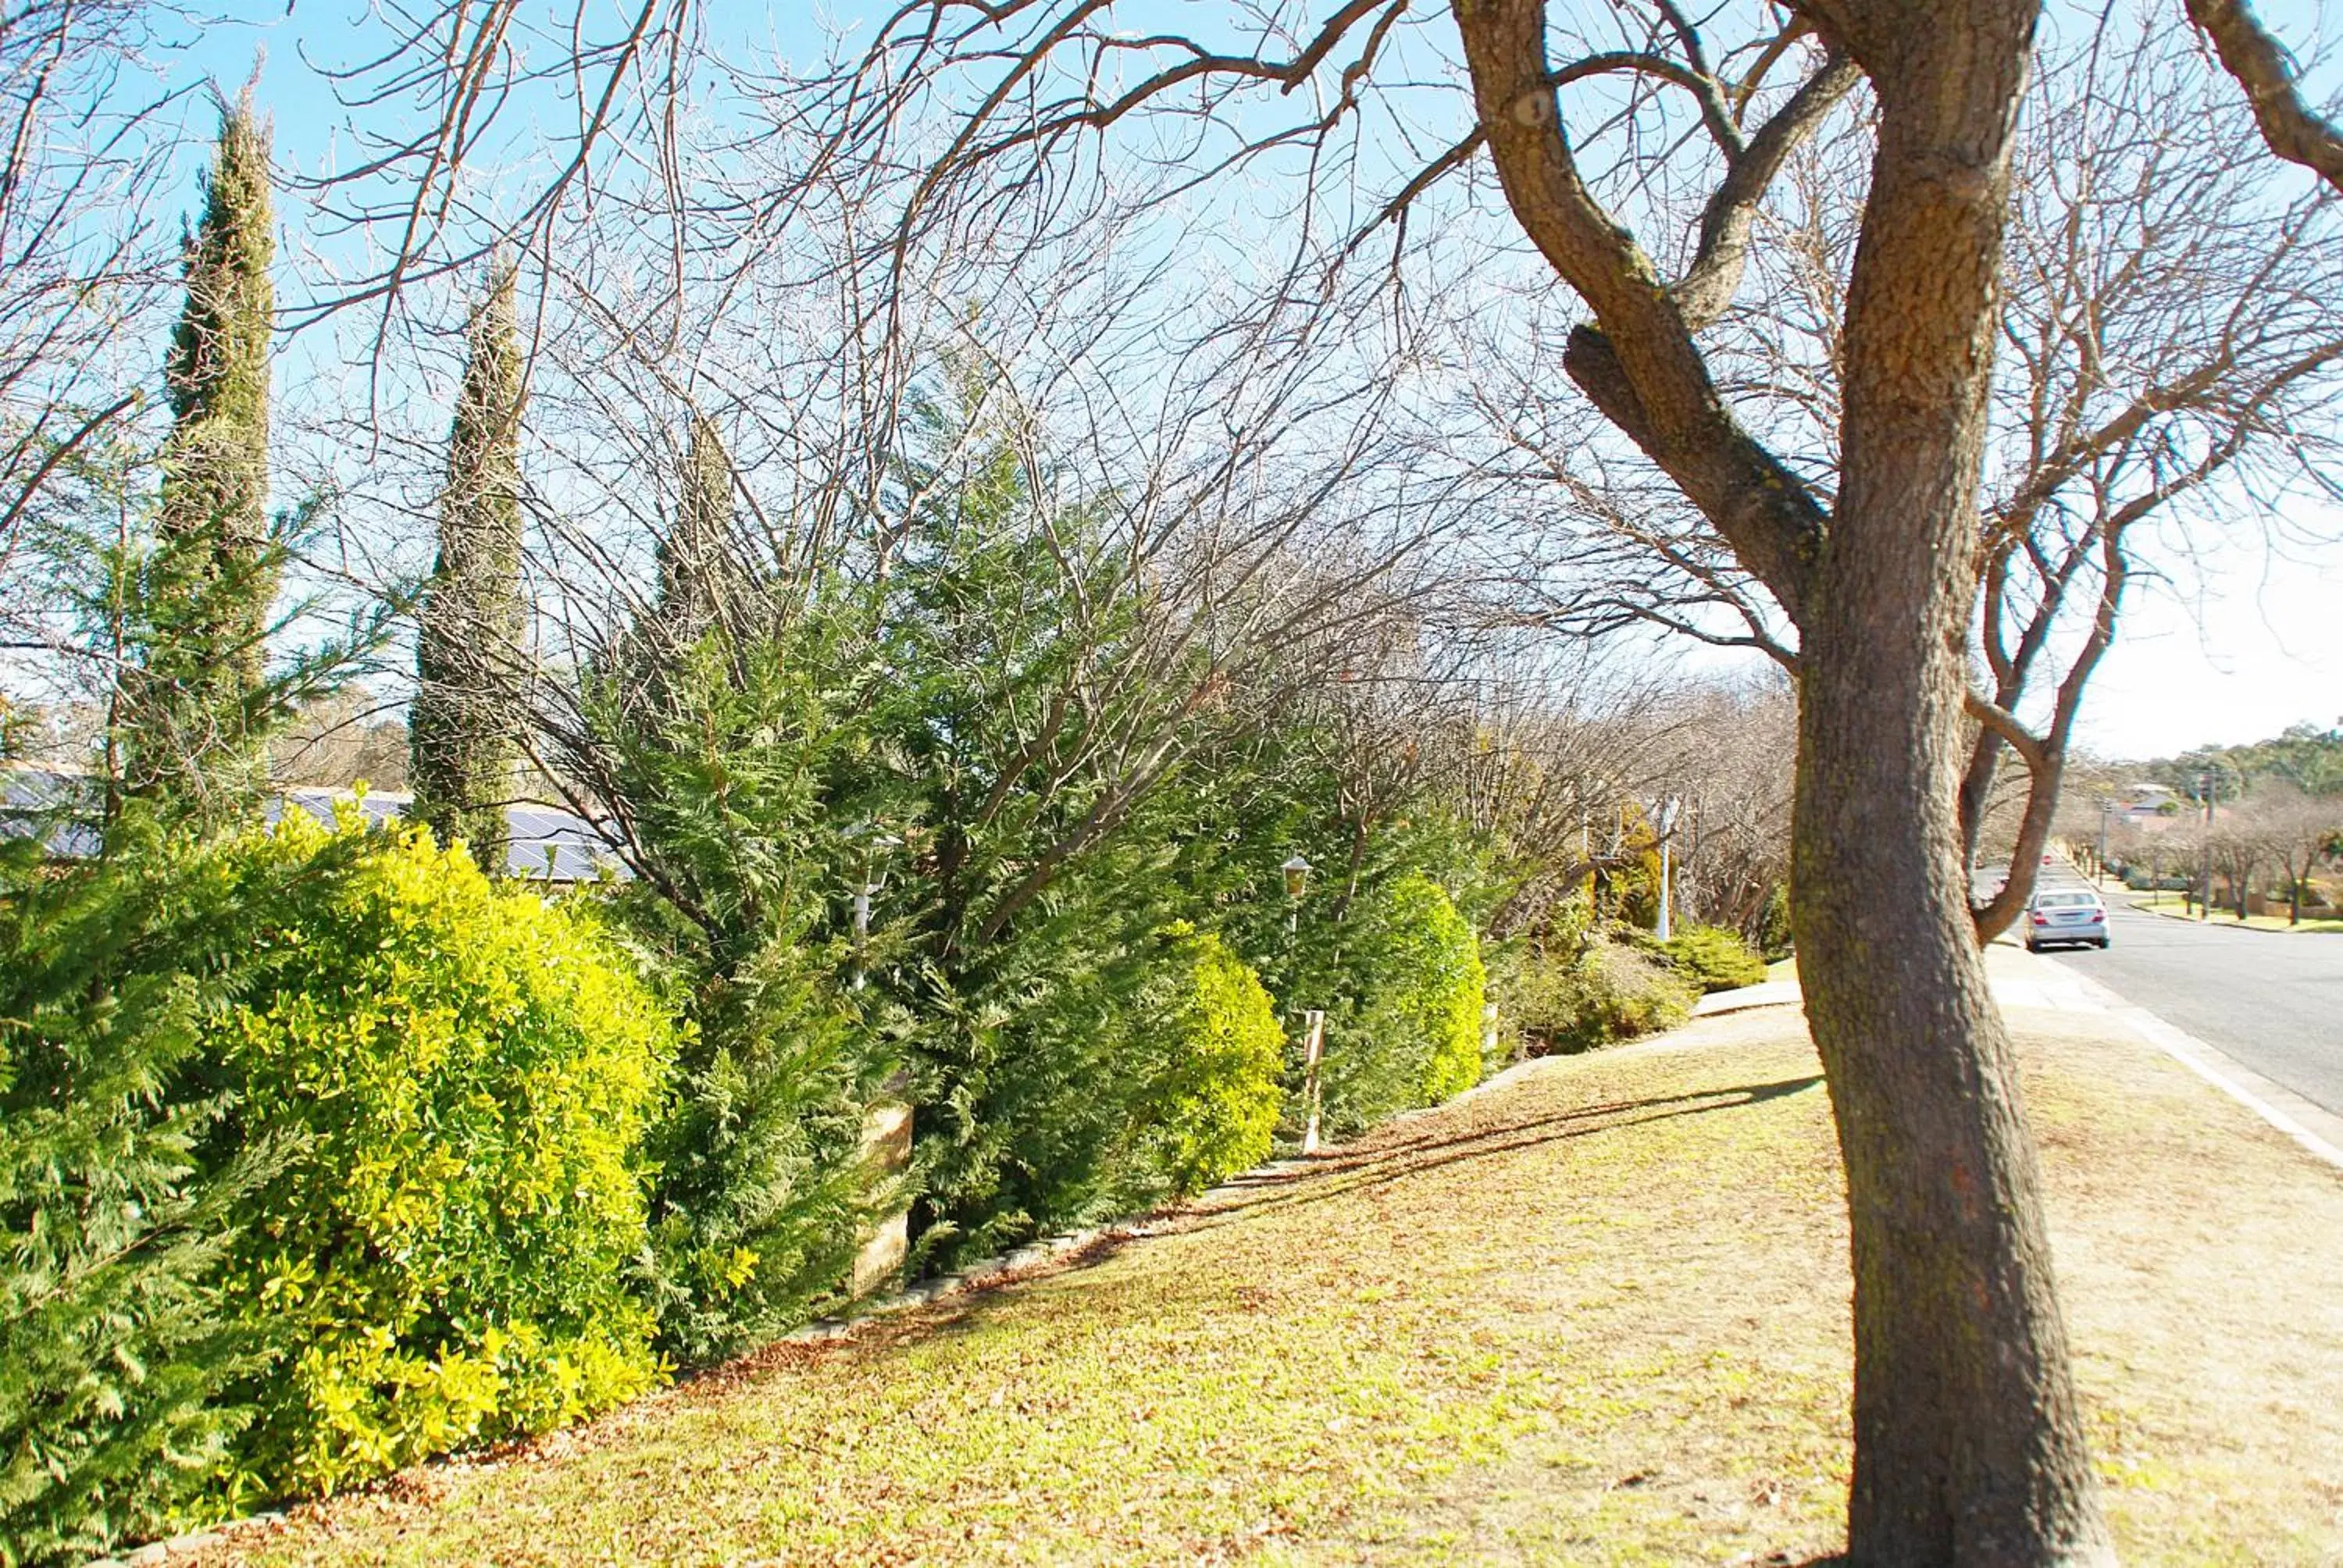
(319, 1153)
(114, 1339)
(469, 1072)
(1415, 985)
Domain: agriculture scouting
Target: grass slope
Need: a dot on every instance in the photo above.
(1596, 1314)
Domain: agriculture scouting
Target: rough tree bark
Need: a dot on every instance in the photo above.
(1969, 1445)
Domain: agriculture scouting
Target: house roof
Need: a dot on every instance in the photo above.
(543, 843)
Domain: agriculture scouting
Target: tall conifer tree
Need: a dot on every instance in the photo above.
(697, 585)
(465, 725)
(192, 715)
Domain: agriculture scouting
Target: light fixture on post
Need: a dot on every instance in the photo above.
(1297, 882)
(873, 839)
(1666, 813)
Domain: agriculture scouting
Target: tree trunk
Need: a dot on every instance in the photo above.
(1976, 794)
(1968, 1444)
(1969, 1447)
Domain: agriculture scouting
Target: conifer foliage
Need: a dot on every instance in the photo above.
(193, 714)
(697, 579)
(113, 1336)
(465, 726)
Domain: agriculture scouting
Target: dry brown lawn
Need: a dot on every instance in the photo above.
(1593, 1314)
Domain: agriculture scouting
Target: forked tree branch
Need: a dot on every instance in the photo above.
(2293, 129)
(1639, 363)
(1706, 291)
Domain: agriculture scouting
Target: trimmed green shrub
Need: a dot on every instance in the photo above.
(1539, 993)
(114, 1339)
(722, 753)
(1713, 958)
(1412, 1036)
(1146, 1075)
(1212, 1103)
(1623, 993)
(469, 1071)
(1562, 1002)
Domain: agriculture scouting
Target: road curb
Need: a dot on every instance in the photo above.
(2320, 1132)
(2233, 926)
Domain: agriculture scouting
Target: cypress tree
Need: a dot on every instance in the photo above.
(192, 716)
(466, 724)
(696, 580)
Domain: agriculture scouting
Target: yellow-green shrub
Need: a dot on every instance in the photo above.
(1213, 1105)
(1712, 958)
(467, 1070)
(1413, 1036)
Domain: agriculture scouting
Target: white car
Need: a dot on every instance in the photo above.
(2066, 916)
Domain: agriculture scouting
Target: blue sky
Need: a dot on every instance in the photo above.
(2234, 647)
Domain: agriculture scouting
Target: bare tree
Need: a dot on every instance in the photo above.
(2294, 830)
(85, 153)
(88, 261)
(1230, 534)
(2172, 347)
(1734, 773)
(2238, 844)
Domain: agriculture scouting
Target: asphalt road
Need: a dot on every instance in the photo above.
(2274, 1000)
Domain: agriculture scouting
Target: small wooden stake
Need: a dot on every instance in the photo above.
(1313, 1048)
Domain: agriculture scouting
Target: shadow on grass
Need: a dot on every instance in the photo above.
(1353, 1169)
(1347, 1169)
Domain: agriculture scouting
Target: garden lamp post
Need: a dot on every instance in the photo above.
(1313, 1020)
(1667, 824)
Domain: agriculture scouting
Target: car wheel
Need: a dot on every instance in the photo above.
(2103, 944)
(2034, 947)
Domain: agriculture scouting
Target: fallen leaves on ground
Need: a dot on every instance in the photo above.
(1593, 1314)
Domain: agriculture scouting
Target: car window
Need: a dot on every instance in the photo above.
(2065, 900)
